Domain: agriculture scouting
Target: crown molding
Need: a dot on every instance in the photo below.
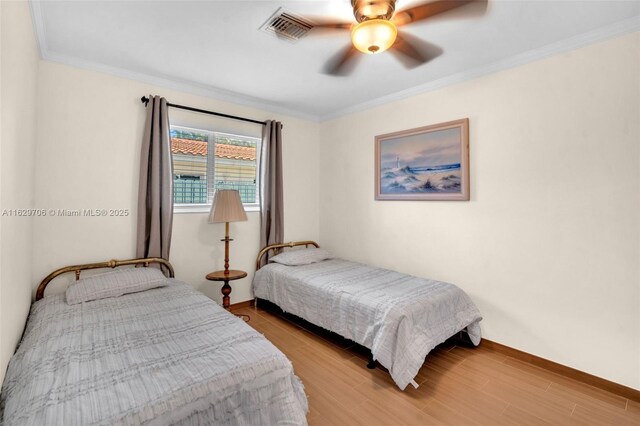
(38, 26)
(178, 85)
(614, 30)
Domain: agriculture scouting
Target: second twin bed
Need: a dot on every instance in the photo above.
(399, 317)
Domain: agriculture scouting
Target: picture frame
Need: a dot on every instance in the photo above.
(428, 163)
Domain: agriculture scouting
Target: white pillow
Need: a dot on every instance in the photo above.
(301, 257)
(114, 284)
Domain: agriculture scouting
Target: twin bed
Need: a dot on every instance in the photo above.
(398, 317)
(166, 355)
(136, 347)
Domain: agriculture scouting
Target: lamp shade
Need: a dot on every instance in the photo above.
(227, 207)
(374, 35)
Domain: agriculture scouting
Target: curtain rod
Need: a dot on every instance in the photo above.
(145, 101)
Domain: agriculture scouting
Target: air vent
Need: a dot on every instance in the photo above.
(286, 25)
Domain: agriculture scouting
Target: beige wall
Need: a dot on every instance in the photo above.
(18, 74)
(548, 246)
(89, 134)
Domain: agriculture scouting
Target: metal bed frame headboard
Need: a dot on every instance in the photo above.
(277, 247)
(108, 264)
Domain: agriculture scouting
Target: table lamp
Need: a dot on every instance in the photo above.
(227, 207)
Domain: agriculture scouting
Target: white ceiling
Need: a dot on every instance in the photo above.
(215, 47)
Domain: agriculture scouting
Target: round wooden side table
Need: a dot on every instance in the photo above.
(226, 288)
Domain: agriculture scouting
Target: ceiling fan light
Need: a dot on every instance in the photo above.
(374, 35)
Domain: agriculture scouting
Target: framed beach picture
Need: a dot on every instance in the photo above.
(427, 163)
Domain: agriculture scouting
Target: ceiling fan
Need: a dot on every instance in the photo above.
(377, 30)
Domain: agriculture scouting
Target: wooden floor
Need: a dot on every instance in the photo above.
(458, 386)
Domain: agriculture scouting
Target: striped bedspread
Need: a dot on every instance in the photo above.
(163, 356)
(399, 317)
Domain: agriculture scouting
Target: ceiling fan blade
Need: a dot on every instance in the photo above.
(343, 62)
(319, 23)
(321, 26)
(412, 52)
(428, 10)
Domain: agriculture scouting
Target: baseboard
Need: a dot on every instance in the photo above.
(240, 305)
(563, 370)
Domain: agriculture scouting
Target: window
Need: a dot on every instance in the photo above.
(204, 161)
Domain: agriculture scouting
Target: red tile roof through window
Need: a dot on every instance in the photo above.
(191, 147)
(188, 147)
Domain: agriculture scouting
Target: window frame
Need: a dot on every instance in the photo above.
(182, 208)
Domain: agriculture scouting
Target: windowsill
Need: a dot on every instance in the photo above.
(205, 208)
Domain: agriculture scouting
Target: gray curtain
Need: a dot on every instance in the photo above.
(155, 192)
(271, 200)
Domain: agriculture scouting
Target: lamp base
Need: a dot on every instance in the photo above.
(226, 291)
(226, 240)
(226, 276)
